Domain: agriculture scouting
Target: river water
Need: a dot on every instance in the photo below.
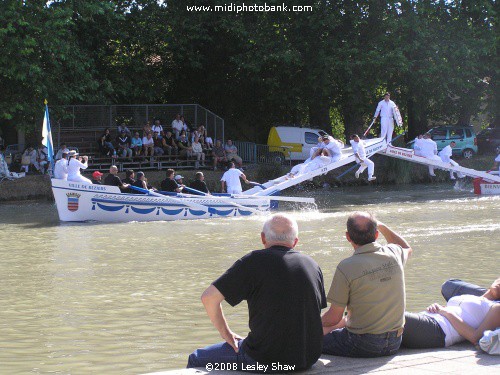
(87, 298)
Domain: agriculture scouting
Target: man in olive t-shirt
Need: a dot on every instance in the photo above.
(370, 284)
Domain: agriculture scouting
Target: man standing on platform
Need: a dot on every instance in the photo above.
(371, 285)
(284, 291)
(386, 110)
(231, 180)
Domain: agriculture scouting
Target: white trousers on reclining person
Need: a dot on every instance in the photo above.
(367, 163)
(459, 174)
(387, 128)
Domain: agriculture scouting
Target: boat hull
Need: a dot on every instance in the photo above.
(81, 202)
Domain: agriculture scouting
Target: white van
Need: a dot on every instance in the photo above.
(297, 141)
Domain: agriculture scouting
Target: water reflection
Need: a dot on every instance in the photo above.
(124, 298)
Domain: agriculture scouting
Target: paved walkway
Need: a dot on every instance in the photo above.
(458, 359)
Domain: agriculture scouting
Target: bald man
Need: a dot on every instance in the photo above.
(285, 294)
(370, 286)
(112, 179)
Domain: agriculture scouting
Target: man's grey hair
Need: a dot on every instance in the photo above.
(281, 228)
(362, 228)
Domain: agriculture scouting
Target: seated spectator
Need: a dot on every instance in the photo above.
(185, 127)
(148, 145)
(169, 183)
(28, 159)
(177, 125)
(185, 150)
(157, 145)
(198, 132)
(97, 178)
(105, 145)
(232, 153)
(169, 144)
(209, 143)
(129, 177)
(199, 183)
(136, 144)
(63, 149)
(157, 127)
(198, 152)
(123, 128)
(41, 163)
(123, 141)
(4, 168)
(147, 129)
(219, 154)
(112, 179)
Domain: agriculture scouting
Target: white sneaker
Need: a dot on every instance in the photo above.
(432, 174)
(452, 178)
(356, 174)
(373, 178)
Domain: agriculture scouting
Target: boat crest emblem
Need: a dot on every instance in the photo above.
(73, 199)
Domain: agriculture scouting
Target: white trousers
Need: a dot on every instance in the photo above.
(431, 168)
(387, 128)
(459, 174)
(367, 163)
(79, 178)
(234, 190)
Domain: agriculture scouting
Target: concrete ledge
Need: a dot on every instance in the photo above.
(458, 359)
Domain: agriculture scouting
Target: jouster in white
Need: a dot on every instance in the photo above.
(385, 109)
(445, 155)
(360, 153)
(231, 178)
(61, 169)
(74, 167)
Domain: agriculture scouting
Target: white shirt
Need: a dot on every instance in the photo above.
(445, 154)
(74, 167)
(472, 309)
(196, 147)
(428, 148)
(360, 149)
(147, 141)
(232, 179)
(157, 128)
(209, 141)
(334, 148)
(177, 125)
(385, 109)
(61, 169)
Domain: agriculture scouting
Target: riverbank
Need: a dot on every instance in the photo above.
(458, 359)
(389, 171)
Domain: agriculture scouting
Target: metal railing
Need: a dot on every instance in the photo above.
(98, 117)
(253, 153)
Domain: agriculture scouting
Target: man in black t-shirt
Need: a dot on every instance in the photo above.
(285, 293)
(112, 179)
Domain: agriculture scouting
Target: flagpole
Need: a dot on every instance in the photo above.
(47, 138)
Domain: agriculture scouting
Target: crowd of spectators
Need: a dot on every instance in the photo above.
(178, 140)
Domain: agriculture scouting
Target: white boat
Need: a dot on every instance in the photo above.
(82, 202)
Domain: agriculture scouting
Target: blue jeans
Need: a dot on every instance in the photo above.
(220, 356)
(455, 287)
(343, 343)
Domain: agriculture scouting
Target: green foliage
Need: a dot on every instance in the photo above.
(327, 68)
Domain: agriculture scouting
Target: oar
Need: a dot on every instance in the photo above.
(194, 190)
(253, 183)
(284, 199)
(177, 200)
